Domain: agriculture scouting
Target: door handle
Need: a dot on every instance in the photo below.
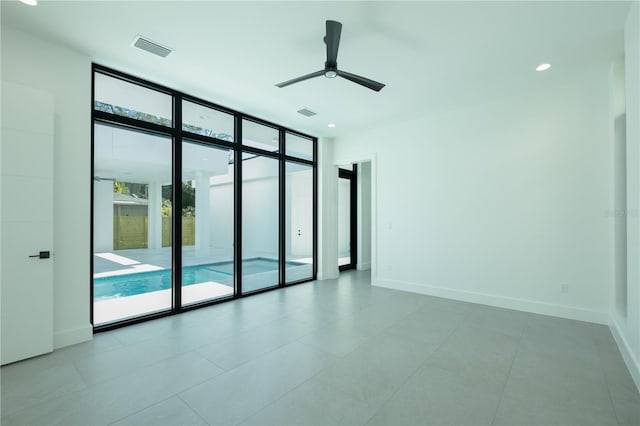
(42, 255)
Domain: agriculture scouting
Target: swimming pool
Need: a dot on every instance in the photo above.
(144, 282)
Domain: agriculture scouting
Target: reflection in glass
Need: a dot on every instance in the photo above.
(260, 136)
(207, 121)
(259, 223)
(298, 222)
(119, 97)
(207, 223)
(299, 147)
(344, 221)
(132, 184)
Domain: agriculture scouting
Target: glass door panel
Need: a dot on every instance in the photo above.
(298, 222)
(131, 265)
(207, 223)
(260, 256)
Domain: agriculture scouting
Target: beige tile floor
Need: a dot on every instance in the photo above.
(328, 353)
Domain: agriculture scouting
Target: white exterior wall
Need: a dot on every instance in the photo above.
(103, 215)
(66, 74)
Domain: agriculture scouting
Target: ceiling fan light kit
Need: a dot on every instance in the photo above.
(332, 40)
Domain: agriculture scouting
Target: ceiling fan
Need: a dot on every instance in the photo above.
(332, 40)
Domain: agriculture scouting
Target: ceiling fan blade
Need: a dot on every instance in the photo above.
(299, 79)
(332, 40)
(363, 81)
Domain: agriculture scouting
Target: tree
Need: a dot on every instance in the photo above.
(120, 188)
(188, 198)
(138, 190)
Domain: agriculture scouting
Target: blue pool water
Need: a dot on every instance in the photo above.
(144, 282)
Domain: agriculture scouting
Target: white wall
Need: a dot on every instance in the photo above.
(501, 203)
(66, 74)
(627, 329)
(327, 211)
(619, 192)
(364, 215)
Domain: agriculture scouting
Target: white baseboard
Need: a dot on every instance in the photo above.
(363, 266)
(324, 275)
(633, 364)
(563, 311)
(72, 336)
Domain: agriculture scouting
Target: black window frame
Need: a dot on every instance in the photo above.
(178, 135)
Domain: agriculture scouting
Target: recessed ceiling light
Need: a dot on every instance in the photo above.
(30, 2)
(543, 67)
(331, 125)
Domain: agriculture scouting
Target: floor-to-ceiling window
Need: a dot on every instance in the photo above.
(193, 203)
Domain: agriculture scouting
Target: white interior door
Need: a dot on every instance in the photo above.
(26, 286)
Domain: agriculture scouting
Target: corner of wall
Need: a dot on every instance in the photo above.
(625, 350)
(73, 336)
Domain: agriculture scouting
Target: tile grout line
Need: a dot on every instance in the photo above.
(506, 380)
(606, 376)
(420, 367)
(140, 410)
(177, 395)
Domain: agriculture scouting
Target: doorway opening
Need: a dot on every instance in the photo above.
(347, 217)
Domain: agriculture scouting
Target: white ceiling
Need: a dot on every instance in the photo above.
(433, 56)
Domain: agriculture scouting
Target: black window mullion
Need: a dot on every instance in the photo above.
(282, 211)
(92, 194)
(315, 210)
(262, 152)
(354, 216)
(131, 122)
(176, 244)
(237, 178)
(132, 79)
(299, 160)
(208, 140)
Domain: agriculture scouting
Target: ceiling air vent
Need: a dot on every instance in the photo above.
(306, 112)
(150, 46)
